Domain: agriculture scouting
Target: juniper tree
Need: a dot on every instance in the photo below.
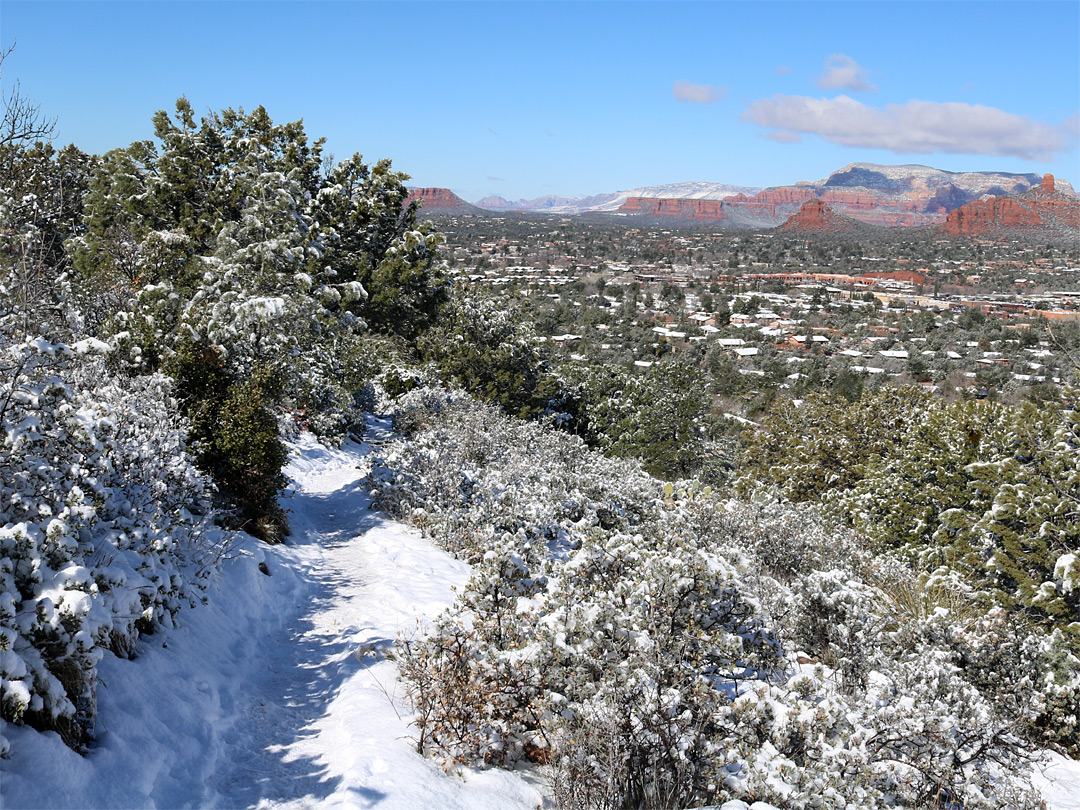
(229, 241)
(487, 349)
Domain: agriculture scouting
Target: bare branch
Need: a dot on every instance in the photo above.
(23, 121)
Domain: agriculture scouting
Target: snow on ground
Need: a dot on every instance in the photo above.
(1059, 781)
(276, 693)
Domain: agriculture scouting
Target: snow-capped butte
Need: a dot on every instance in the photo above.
(693, 190)
(905, 177)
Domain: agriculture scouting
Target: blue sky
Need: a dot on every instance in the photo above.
(531, 98)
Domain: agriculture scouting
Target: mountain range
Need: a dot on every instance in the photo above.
(552, 204)
(906, 195)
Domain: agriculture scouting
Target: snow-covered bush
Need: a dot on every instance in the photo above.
(657, 645)
(103, 525)
(920, 736)
(472, 474)
(656, 416)
(633, 636)
(486, 346)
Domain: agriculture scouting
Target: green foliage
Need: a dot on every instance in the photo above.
(848, 385)
(1034, 521)
(930, 489)
(823, 445)
(656, 415)
(234, 434)
(244, 450)
(980, 489)
(227, 253)
(489, 350)
(368, 235)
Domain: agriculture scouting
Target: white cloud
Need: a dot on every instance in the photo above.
(784, 70)
(917, 127)
(698, 93)
(844, 73)
(1071, 126)
(783, 136)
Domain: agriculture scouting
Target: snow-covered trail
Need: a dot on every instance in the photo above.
(277, 693)
(325, 712)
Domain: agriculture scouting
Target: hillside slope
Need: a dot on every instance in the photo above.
(278, 694)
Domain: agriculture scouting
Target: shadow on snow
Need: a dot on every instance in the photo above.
(265, 748)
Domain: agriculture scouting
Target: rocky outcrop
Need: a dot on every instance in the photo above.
(873, 209)
(1043, 208)
(817, 217)
(677, 209)
(903, 196)
(984, 217)
(440, 202)
(782, 195)
(764, 209)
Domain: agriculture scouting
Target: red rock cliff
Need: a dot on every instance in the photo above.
(816, 215)
(681, 209)
(1042, 207)
(437, 198)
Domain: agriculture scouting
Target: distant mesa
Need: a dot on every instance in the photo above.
(611, 203)
(905, 196)
(551, 202)
(817, 217)
(679, 209)
(893, 196)
(435, 202)
(1041, 208)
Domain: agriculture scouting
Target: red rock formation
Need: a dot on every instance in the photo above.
(1041, 207)
(762, 206)
(867, 207)
(916, 202)
(771, 206)
(985, 216)
(816, 215)
(681, 209)
(438, 199)
(784, 195)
